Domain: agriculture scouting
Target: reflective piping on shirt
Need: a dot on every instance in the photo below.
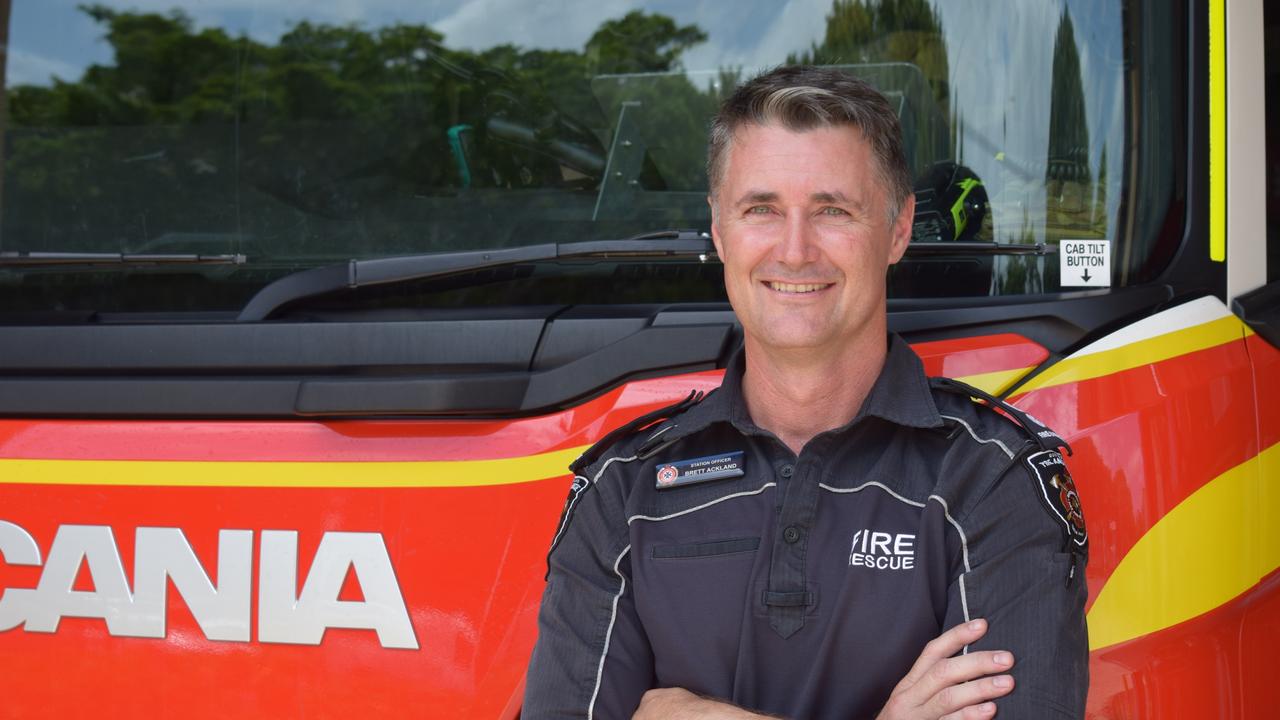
(984, 441)
(613, 615)
(611, 461)
(825, 486)
(964, 551)
(705, 505)
(608, 635)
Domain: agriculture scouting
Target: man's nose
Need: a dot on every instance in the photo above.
(798, 245)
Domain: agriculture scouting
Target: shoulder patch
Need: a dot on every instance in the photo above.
(1058, 491)
(1039, 433)
(580, 484)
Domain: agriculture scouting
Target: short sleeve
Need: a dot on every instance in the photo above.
(1026, 561)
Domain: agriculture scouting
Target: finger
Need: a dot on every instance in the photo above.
(959, 669)
(981, 711)
(975, 692)
(944, 646)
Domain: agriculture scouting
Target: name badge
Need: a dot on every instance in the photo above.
(702, 469)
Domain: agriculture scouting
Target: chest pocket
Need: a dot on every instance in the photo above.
(707, 549)
(700, 590)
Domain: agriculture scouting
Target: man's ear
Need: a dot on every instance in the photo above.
(715, 227)
(902, 229)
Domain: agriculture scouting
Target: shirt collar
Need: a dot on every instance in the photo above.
(900, 395)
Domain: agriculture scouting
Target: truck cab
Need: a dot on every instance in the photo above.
(305, 310)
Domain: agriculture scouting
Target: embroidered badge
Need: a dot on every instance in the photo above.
(579, 486)
(1059, 493)
(703, 469)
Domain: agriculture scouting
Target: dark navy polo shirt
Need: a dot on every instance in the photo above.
(702, 553)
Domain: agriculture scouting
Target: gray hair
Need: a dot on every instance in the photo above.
(805, 97)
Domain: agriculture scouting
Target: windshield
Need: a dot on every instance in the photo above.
(302, 134)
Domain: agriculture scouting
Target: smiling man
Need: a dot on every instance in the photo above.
(830, 534)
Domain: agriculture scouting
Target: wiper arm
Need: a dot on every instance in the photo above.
(11, 259)
(924, 249)
(383, 271)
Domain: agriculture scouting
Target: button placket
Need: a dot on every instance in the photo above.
(782, 475)
(787, 575)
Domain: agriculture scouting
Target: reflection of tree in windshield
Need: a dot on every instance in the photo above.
(640, 43)
(1067, 175)
(335, 139)
(1075, 206)
(861, 32)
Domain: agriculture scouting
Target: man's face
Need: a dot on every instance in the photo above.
(802, 229)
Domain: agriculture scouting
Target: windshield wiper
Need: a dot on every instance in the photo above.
(11, 259)
(383, 271)
(316, 282)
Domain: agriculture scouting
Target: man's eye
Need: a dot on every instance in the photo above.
(758, 210)
(833, 211)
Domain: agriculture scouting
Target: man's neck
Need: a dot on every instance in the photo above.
(797, 395)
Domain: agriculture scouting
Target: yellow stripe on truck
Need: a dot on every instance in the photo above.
(356, 474)
(1212, 547)
(996, 382)
(1140, 353)
(452, 473)
(1218, 130)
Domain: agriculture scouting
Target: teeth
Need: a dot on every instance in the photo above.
(793, 288)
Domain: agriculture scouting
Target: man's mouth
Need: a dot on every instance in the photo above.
(798, 288)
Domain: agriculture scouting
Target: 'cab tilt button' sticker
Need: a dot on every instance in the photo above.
(703, 469)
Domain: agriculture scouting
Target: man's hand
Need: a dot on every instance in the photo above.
(680, 704)
(951, 688)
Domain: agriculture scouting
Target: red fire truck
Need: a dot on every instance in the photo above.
(305, 310)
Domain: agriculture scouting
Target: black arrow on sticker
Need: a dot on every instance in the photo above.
(1086, 274)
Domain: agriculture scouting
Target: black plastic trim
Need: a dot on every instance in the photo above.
(1059, 321)
(1260, 310)
(430, 380)
(461, 363)
(296, 348)
(677, 349)
(162, 397)
(1191, 273)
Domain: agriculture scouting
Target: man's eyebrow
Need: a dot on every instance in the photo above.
(757, 196)
(836, 197)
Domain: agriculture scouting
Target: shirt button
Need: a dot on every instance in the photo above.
(786, 471)
(791, 534)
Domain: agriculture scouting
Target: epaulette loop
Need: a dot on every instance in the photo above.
(1046, 438)
(595, 452)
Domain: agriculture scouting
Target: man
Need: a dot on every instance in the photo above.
(798, 541)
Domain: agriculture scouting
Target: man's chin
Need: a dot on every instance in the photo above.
(790, 343)
(812, 340)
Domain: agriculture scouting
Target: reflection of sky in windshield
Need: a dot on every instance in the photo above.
(53, 38)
